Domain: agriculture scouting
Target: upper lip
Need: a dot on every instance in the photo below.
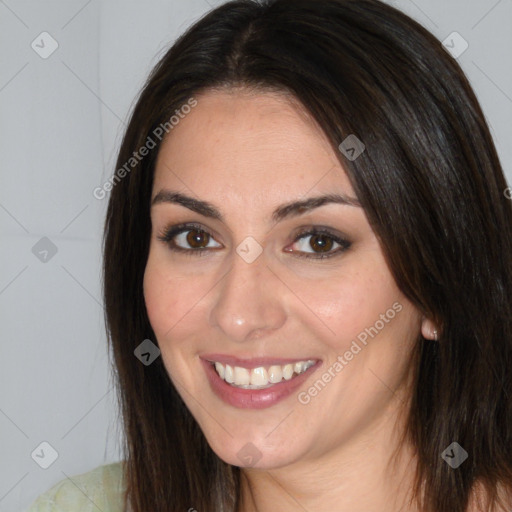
(253, 362)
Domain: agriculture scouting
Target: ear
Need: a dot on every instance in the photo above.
(429, 330)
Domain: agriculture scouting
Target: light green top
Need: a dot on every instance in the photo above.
(98, 490)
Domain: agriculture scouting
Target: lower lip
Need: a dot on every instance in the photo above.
(254, 398)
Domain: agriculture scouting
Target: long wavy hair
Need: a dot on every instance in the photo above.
(432, 188)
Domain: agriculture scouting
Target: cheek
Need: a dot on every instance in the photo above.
(343, 305)
(351, 302)
(154, 297)
(162, 304)
(173, 301)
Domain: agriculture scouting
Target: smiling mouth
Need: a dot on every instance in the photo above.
(262, 377)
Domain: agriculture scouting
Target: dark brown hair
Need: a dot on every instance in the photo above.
(431, 185)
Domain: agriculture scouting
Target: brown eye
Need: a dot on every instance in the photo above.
(187, 239)
(321, 242)
(197, 239)
(190, 239)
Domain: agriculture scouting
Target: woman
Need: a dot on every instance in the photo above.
(307, 273)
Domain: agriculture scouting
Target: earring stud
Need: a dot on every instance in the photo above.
(435, 334)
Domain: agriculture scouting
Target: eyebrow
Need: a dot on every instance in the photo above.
(282, 212)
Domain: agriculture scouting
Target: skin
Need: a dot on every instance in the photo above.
(247, 153)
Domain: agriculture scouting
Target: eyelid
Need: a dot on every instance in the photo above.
(170, 232)
(312, 230)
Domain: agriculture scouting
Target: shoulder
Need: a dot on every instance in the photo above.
(99, 489)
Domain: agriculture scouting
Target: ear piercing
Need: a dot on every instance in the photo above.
(435, 334)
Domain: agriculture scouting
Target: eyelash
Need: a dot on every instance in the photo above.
(167, 235)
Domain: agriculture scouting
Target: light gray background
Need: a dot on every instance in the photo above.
(61, 120)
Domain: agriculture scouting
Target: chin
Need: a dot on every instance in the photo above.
(260, 453)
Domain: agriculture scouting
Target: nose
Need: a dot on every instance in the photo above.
(250, 301)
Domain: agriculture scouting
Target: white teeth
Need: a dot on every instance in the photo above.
(261, 377)
(220, 370)
(242, 377)
(229, 374)
(275, 374)
(288, 371)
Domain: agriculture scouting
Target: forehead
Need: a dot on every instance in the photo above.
(257, 146)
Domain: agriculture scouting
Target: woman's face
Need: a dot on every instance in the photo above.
(259, 299)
